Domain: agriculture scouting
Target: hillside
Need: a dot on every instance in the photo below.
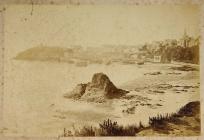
(184, 123)
(43, 53)
(78, 55)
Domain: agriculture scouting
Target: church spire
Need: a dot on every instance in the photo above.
(185, 38)
(185, 33)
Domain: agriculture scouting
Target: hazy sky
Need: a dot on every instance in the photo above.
(96, 25)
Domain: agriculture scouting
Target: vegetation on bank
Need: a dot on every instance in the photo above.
(184, 50)
(107, 128)
(160, 124)
(173, 52)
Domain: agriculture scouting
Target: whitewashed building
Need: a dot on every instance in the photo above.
(157, 58)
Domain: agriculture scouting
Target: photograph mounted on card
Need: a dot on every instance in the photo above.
(77, 70)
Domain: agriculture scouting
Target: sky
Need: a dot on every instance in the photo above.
(91, 25)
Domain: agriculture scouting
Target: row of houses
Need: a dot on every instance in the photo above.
(157, 51)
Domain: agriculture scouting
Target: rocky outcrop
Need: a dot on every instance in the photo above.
(77, 92)
(99, 89)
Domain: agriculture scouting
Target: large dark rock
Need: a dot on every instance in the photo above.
(102, 82)
(98, 89)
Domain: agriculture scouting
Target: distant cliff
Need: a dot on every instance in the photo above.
(78, 55)
(44, 53)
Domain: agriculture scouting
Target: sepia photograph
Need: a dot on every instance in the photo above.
(86, 70)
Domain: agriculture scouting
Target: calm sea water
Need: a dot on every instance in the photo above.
(34, 103)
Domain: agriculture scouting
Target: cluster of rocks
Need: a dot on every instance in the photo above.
(99, 89)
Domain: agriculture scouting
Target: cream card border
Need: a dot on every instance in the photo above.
(5, 3)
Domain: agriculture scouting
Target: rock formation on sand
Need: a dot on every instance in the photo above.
(98, 89)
